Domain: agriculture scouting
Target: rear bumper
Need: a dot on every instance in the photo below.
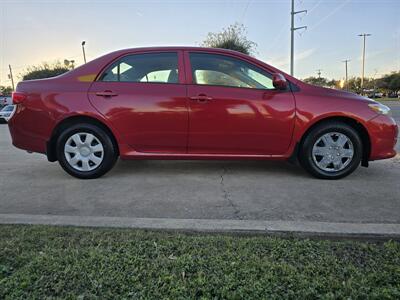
(26, 141)
(24, 133)
(383, 132)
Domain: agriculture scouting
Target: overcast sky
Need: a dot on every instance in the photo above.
(32, 32)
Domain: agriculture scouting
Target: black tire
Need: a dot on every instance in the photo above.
(306, 157)
(109, 156)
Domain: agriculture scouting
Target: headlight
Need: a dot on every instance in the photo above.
(379, 108)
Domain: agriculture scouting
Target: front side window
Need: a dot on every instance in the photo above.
(149, 67)
(215, 69)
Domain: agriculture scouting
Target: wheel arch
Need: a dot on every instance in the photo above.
(51, 144)
(355, 124)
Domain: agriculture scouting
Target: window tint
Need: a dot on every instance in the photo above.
(214, 69)
(150, 67)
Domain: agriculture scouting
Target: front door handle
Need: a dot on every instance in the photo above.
(201, 98)
(106, 94)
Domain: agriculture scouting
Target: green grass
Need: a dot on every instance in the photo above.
(77, 263)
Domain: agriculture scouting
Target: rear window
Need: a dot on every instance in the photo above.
(149, 67)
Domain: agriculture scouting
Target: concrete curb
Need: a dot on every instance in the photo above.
(322, 229)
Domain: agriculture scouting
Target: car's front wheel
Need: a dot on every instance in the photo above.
(86, 151)
(331, 150)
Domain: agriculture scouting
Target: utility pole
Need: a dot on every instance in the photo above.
(364, 35)
(345, 82)
(11, 77)
(83, 50)
(292, 30)
(319, 72)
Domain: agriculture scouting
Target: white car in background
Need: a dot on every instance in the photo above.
(6, 113)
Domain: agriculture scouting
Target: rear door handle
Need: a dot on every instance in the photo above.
(106, 94)
(201, 98)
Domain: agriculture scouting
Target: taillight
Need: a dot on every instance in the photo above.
(18, 97)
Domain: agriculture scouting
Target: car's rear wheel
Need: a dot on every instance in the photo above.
(86, 151)
(331, 150)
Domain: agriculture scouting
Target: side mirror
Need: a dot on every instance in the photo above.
(279, 81)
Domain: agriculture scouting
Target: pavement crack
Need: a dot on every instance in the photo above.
(226, 194)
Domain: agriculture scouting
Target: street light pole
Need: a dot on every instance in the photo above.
(292, 30)
(83, 50)
(364, 35)
(346, 80)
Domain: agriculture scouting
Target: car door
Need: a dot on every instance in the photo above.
(143, 97)
(234, 108)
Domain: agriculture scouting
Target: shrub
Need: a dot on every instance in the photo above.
(233, 38)
(45, 70)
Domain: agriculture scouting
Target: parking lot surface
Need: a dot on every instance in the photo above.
(247, 190)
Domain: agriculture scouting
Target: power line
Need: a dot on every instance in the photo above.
(329, 14)
(315, 6)
(245, 10)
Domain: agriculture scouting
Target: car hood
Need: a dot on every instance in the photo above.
(327, 92)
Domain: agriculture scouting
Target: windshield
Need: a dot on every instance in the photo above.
(8, 108)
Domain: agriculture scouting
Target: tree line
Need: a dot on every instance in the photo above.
(388, 85)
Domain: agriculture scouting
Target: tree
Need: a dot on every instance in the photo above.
(45, 70)
(233, 38)
(5, 91)
(334, 84)
(389, 83)
(354, 84)
(320, 81)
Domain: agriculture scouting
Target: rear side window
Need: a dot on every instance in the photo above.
(216, 69)
(149, 67)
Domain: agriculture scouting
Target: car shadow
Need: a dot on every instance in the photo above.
(204, 167)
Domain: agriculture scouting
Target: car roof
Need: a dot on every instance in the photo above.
(176, 48)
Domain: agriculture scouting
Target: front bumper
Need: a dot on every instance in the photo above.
(383, 132)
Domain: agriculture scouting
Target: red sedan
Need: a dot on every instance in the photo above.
(195, 103)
